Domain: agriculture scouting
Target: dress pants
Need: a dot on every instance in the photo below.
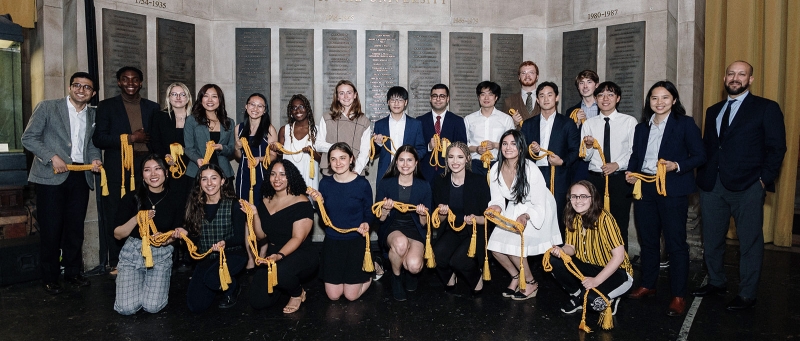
(656, 214)
(747, 209)
(619, 199)
(205, 282)
(298, 266)
(61, 211)
(450, 252)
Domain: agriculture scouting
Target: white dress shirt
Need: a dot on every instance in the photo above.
(545, 130)
(525, 96)
(77, 131)
(622, 128)
(441, 124)
(397, 131)
(650, 162)
(734, 109)
(481, 128)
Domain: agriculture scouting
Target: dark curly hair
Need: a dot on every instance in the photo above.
(195, 205)
(312, 126)
(294, 180)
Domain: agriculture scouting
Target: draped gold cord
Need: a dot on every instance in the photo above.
(512, 112)
(545, 153)
(367, 265)
(252, 243)
(606, 317)
(81, 168)
(582, 154)
(178, 168)
(373, 151)
(209, 152)
(660, 178)
(126, 154)
(285, 151)
(150, 236)
(377, 210)
(440, 147)
(515, 227)
(451, 219)
(574, 116)
(252, 163)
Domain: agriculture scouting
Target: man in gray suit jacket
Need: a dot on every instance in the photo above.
(59, 134)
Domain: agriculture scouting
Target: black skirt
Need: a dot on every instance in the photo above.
(342, 261)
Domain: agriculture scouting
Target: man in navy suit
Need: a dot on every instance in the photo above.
(127, 113)
(401, 128)
(670, 138)
(450, 126)
(557, 134)
(745, 141)
(585, 82)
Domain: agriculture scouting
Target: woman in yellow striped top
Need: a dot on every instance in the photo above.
(597, 249)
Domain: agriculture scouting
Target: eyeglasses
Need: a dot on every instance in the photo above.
(176, 94)
(581, 197)
(531, 72)
(298, 107)
(435, 96)
(257, 106)
(78, 86)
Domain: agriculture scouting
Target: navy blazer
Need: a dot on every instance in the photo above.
(420, 194)
(564, 142)
(411, 136)
(453, 129)
(753, 146)
(681, 143)
(111, 122)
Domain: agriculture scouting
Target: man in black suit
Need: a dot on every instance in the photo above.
(745, 142)
(585, 82)
(555, 133)
(127, 113)
(450, 126)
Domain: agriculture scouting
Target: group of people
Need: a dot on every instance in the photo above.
(519, 182)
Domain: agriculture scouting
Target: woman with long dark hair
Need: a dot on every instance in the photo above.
(259, 133)
(519, 193)
(285, 218)
(214, 220)
(139, 287)
(403, 234)
(595, 244)
(345, 122)
(466, 195)
(301, 134)
(664, 119)
(210, 123)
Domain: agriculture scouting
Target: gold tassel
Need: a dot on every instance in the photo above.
(583, 325)
(367, 266)
(224, 275)
(429, 250)
(522, 283)
(144, 222)
(606, 319)
(103, 181)
(209, 152)
(487, 276)
(637, 190)
(473, 241)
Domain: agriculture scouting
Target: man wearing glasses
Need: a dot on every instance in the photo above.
(442, 122)
(401, 128)
(525, 104)
(58, 134)
(127, 113)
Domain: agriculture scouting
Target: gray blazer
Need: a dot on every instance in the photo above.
(195, 137)
(48, 134)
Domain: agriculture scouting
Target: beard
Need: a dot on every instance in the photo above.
(527, 83)
(740, 90)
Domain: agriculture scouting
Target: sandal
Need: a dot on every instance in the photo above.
(378, 263)
(519, 296)
(294, 303)
(507, 292)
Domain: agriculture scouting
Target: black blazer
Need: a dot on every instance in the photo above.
(564, 142)
(111, 122)
(453, 129)
(681, 143)
(753, 147)
(474, 201)
(420, 194)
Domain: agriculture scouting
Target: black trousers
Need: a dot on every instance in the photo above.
(450, 253)
(110, 246)
(619, 193)
(61, 211)
(616, 284)
(297, 267)
(205, 282)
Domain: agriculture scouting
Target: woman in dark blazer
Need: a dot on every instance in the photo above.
(403, 234)
(210, 123)
(666, 133)
(466, 194)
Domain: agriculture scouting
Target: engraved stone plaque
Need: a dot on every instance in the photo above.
(504, 60)
(625, 64)
(297, 68)
(175, 50)
(338, 61)
(424, 69)
(252, 67)
(382, 70)
(124, 44)
(578, 53)
(466, 70)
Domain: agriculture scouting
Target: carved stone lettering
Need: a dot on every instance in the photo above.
(382, 70)
(297, 68)
(252, 67)
(424, 69)
(625, 64)
(175, 51)
(466, 70)
(339, 48)
(578, 53)
(504, 60)
(124, 44)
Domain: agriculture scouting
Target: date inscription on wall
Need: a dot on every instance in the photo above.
(602, 14)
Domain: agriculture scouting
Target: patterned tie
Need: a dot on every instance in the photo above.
(438, 125)
(529, 103)
(607, 140)
(726, 117)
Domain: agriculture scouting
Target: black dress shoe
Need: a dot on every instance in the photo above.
(230, 300)
(410, 281)
(709, 289)
(741, 303)
(77, 280)
(52, 288)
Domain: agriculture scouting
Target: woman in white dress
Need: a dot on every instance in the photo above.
(300, 134)
(519, 193)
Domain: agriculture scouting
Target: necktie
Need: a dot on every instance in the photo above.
(607, 140)
(529, 103)
(726, 117)
(438, 125)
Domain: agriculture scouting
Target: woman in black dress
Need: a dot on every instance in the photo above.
(284, 217)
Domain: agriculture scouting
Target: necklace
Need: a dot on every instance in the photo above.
(454, 184)
(159, 200)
